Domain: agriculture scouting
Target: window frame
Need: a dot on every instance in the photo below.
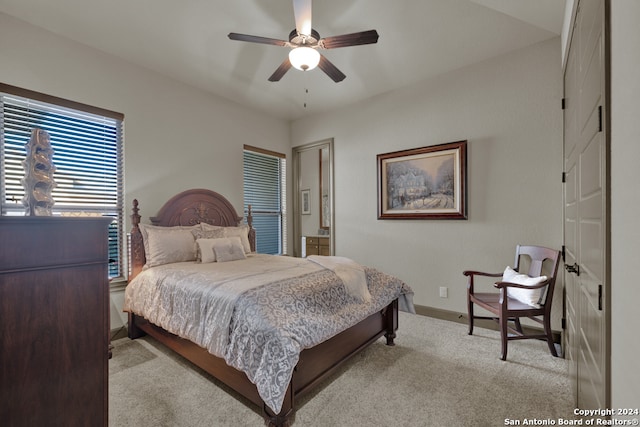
(282, 164)
(75, 110)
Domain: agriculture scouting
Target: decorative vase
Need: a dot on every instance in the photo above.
(38, 179)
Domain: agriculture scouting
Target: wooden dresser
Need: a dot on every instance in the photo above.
(316, 245)
(54, 321)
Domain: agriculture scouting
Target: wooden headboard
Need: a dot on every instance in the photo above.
(190, 207)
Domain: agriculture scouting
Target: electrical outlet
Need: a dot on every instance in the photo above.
(444, 292)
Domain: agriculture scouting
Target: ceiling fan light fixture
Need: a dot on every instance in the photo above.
(304, 58)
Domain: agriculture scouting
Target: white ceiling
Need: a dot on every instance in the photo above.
(187, 40)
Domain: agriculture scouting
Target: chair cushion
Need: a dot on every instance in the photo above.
(530, 297)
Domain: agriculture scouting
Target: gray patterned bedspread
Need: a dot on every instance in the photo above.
(259, 313)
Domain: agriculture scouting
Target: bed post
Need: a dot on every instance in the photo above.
(390, 313)
(133, 331)
(137, 258)
(283, 419)
(136, 261)
(252, 231)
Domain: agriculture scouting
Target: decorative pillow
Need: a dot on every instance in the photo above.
(205, 249)
(228, 249)
(241, 231)
(531, 297)
(206, 226)
(210, 233)
(164, 245)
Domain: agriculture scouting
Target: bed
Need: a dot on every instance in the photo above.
(278, 325)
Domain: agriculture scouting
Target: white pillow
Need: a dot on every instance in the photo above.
(210, 233)
(530, 297)
(164, 245)
(228, 249)
(205, 249)
(241, 231)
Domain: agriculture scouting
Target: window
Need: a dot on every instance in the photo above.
(265, 191)
(87, 144)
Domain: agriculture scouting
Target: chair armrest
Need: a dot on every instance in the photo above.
(471, 274)
(501, 285)
(480, 273)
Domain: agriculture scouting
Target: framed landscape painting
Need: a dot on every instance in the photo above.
(423, 183)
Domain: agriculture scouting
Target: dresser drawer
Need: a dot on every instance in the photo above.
(42, 242)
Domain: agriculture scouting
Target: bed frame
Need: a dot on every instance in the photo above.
(317, 363)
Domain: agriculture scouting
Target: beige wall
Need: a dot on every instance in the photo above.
(176, 137)
(625, 203)
(509, 111)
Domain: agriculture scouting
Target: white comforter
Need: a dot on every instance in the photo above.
(260, 313)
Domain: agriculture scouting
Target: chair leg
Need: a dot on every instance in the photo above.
(547, 331)
(503, 336)
(470, 316)
(518, 325)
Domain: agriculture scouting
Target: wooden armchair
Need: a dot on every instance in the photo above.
(507, 304)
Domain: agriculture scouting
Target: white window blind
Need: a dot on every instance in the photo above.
(87, 156)
(265, 190)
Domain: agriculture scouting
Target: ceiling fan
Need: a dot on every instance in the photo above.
(305, 42)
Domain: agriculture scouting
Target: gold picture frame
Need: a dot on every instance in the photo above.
(423, 183)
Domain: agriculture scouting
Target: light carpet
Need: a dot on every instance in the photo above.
(435, 375)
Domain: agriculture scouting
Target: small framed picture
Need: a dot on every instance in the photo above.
(306, 202)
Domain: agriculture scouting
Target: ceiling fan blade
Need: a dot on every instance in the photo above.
(345, 40)
(330, 69)
(257, 39)
(302, 13)
(280, 71)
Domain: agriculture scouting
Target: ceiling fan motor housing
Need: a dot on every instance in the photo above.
(304, 40)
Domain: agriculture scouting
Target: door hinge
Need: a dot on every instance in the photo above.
(600, 297)
(564, 323)
(564, 177)
(564, 105)
(599, 118)
(563, 253)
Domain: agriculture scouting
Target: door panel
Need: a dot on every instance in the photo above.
(570, 211)
(585, 201)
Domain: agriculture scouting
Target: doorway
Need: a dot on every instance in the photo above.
(313, 198)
